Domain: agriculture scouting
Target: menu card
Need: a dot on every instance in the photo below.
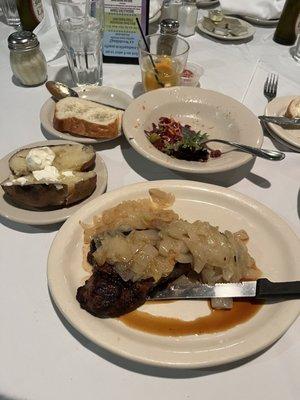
(121, 33)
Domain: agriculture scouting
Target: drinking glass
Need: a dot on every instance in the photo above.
(80, 24)
(295, 51)
(163, 64)
(10, 11)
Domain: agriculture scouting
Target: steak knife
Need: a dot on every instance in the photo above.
(260, 289)
(282, 121)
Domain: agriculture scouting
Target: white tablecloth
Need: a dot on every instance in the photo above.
(41, 356)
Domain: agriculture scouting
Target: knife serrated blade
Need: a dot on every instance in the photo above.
(282, 121)
(203, 291)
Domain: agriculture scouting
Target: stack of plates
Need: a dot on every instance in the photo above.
(288, 137)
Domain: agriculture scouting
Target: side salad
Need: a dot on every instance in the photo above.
(180, 141)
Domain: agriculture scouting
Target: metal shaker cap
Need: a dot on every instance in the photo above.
(22, 40)
(169, 26)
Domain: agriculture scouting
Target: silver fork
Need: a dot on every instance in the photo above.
(272, 155)
(270, 88)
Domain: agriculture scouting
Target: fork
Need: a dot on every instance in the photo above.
(272, 155)
(270, 87)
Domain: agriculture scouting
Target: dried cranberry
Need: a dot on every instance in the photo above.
(187, 73)
(215, 153)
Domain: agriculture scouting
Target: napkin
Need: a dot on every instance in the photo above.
(155, 6)
(265, 9)
(47, 33)
(253, 96)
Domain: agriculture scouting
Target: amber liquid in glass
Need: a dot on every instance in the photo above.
(168, 73)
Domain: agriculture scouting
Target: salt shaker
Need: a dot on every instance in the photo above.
(27, 61)
(168, 32)
(187, 17)
(170, 9)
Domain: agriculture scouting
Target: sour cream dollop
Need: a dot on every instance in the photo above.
(39, 158)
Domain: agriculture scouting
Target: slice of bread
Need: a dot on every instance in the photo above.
(293, 110)
(68, 157)
(85, 118)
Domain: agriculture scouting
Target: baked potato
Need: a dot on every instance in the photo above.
(66, 181)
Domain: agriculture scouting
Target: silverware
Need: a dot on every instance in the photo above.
(282, 121)
(270, 87)
(260, 289)
(60, 91)
(272, 155)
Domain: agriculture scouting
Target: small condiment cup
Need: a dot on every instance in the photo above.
(191, 75)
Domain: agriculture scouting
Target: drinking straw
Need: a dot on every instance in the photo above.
(148, 49)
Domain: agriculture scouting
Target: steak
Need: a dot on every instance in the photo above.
(106, 295)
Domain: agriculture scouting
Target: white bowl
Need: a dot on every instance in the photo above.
(220, 116)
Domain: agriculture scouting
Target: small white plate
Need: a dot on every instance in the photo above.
(15, 213)
(220, 116)
(247, 35)
(272, 243)
(105, 94)
(206, 3)
(260, 21)
(278, 107)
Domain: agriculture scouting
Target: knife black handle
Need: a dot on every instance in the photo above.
(286, 290)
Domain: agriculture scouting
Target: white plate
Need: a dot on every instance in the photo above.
(15, 213)
(247, 35)
(277, 107)
(274, 246)
(107, 95)
(279, 140)
(212, 112)
(206, 3)
(260, 21)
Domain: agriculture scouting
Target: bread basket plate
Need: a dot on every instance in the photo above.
(207, 3)
(260, 21)
(220, 116)
(277, 107)
(278, 259)
(15, 213)
(249, 34)
(108, 95)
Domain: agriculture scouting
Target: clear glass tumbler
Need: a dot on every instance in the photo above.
(295, 51)
(80, 24)
(10, 11)
(163, 64)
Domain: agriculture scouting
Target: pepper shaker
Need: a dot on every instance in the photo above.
(168, 32)
(27, 61)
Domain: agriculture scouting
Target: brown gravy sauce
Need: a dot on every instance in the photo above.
(216, 321)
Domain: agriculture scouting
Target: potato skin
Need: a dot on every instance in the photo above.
(81, 190)
(41, 195)
(89, 165)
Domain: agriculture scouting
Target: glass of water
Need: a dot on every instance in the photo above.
(10, 11)
(295, 51)
(80, 24)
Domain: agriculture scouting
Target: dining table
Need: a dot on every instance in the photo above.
(42, 356)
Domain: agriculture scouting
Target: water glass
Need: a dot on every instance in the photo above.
(10, 11)
(296, 50)
(163, 65)
(80, 24)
